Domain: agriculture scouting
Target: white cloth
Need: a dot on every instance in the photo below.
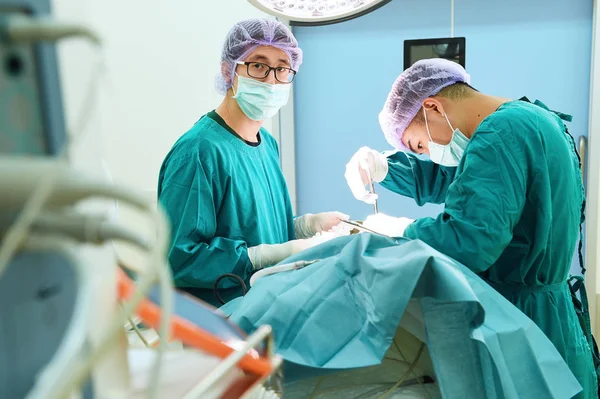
(387, 225)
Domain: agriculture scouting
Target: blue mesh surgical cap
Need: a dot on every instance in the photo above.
(245, 37)
(423, 79)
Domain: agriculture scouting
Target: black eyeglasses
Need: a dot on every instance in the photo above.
(258, 70)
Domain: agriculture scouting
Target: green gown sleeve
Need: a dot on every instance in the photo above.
(200, 255)
(483, 204)
(422, 180)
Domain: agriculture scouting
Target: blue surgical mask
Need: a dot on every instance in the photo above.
(448, 154)
(260, 100)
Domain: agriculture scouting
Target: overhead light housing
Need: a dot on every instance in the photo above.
(317, 12)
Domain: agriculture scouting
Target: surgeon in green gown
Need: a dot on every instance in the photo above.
(222, 185)
(508, 175)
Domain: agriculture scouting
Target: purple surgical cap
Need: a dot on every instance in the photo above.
(245, 37)
(423, 79)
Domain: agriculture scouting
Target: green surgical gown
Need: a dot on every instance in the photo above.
(222, 196)
(512, 214)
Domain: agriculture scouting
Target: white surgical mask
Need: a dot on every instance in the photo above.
(448, 154)
(260, 100)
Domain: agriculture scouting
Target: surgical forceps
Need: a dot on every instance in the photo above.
(361, 227)
(366, 168)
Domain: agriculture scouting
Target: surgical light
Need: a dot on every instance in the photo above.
(317, 12)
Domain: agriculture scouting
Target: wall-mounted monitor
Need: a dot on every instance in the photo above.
(452, 48)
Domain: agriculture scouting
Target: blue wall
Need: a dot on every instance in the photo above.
(537, 48)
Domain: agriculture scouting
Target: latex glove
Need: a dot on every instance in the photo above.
(270, 254)
(387, 225)
(366, 162)
(308, 225)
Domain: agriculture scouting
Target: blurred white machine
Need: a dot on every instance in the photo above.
(64, 302)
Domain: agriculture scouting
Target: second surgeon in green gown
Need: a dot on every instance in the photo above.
(509, 177)
(221, 184)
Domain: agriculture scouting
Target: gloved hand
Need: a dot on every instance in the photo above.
(366, 162)
(308, 225)
(387, 225)
(270, 254)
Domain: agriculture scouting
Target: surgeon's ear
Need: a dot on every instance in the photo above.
(433, 105)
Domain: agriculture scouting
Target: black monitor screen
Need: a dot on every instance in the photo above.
(452, 49)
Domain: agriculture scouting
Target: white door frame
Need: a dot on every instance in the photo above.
(284, 129)
(287, 146)
(592, 255)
